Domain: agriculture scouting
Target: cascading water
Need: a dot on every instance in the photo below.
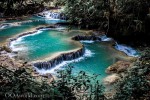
(105, 38)
(3, 26)
(90, 39)
(59, 59)
(87, 53)
(19, 39)
(127, 49)
(52, 15)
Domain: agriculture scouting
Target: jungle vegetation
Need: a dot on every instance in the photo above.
(14, 8)
(134, 84)
(66, 87)
(120, 19)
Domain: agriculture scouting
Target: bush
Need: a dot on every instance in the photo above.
(112, 16)
(67, 87)
(135, 83)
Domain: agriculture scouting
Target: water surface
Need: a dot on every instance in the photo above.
(48, 42)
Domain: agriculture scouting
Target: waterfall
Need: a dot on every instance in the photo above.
(52, 15)
(126, 49)
(59, 59)
(89, 39)
(105, 38)
(87, 53)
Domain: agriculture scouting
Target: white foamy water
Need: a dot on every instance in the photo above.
(58, 28)
(38, 32)
(14, 44)
(3, 26)
(88, 53)
(87, 41)
(61, 28)
(105, 38)
(49, 15)
(126, 49)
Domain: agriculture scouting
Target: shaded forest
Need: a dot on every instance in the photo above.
(120, 19)
(127, 21)
(15, 8)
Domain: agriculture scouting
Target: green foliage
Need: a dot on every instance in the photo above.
(119, 16)
(15, 7)
(133, 86)
(135, 83)
(67, 87)
(89, 12)
(82, 86)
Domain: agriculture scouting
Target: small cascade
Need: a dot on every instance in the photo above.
(105, 38)
(59, 59)
(18, 39)
(2, 26)
(87, 53)
(89, 39)
(126, 49)
(52, 15)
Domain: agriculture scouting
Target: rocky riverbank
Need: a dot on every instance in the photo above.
(116, 69)
(8, 62)
(129, 76)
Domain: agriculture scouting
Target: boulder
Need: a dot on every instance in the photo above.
(111, 79)
(118, 67)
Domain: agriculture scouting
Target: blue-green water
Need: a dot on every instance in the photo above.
(43, 44)
(13, 30)
(98, 62)
(97, 58)
(48, 42)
